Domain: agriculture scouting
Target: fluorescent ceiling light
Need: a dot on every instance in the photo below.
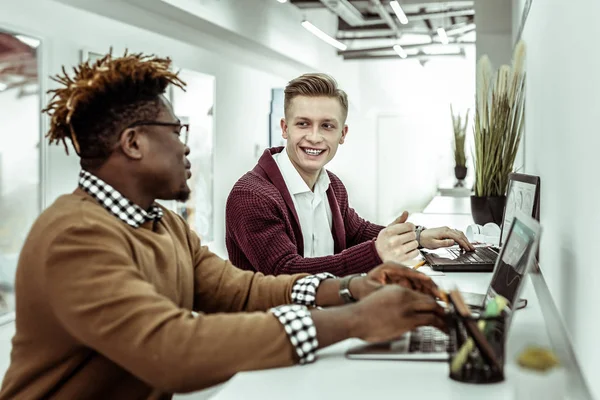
(398, 49)
(323, 36)
(282, 1)
(3, 86)
(29, 41)
(399, 12)
(443, 36)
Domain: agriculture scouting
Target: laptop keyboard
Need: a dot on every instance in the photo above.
(481, 255)
(430, 340)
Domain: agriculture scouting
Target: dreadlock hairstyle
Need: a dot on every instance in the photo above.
(104, 97)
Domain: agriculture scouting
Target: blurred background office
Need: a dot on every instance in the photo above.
(402, 64)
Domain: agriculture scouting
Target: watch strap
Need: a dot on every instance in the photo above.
(345, 293)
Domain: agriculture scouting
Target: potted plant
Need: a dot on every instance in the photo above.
(460, 134)
(498, 129)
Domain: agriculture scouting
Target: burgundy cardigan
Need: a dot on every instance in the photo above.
(263, 231)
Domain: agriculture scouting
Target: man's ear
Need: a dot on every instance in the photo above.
(284, 128)
(344, 133)
(132, 143)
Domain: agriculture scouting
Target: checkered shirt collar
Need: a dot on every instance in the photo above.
(115, 203)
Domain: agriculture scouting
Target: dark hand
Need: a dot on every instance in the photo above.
(393, 311)
(444, 237)
(391, 273)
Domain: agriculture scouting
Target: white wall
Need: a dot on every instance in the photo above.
(418, 100)
(562, 145)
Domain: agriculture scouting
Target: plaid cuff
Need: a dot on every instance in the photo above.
(300, 328)
(304, 291)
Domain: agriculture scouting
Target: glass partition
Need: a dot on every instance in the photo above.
(19, 153)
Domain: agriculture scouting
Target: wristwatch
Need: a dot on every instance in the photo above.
(345, 288)
(418, 231)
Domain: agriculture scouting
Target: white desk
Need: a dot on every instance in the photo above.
(449, 205)
(333, 376)
(458, 221)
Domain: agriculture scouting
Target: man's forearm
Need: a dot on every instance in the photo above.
(334, 324)
(328, 293)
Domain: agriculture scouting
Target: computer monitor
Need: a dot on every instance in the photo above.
(523, 195)
(516, 258)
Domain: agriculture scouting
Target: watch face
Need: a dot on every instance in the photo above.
(346, 296)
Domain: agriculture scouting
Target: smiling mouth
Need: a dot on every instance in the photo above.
(312, 152)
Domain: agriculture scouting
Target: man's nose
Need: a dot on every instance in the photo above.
(314, 135)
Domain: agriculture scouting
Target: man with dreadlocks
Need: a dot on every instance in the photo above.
(116, 297)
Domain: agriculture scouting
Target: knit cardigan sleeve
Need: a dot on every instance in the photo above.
(256, 222)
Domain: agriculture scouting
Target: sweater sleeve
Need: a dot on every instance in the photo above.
(221, 287)
(102, 299)
(256, 223)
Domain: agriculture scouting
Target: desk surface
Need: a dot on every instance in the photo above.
(449, 205)
(333, 376)
(457, 221)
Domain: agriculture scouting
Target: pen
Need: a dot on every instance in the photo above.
(419, 264)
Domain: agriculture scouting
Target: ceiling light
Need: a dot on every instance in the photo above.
(323, 36)
(399, 12)
(29, 41)
(398, 49)
(3, 86)
(443, 36)
(282, 1)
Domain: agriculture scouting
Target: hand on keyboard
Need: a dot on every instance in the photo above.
(392, 311)
(444, 237)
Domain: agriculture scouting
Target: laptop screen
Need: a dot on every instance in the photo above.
(520, 197)
(512, 263)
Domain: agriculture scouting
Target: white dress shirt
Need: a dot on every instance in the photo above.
(312, 207)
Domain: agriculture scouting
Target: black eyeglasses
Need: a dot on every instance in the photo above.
(184, 129)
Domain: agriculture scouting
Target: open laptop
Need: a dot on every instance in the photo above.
(524, 196)
(429, 344)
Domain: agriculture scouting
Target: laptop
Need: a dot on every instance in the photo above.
(524, 196)
(516, 258)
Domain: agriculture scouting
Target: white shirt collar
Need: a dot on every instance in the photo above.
(294, 181)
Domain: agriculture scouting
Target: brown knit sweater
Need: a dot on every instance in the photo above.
(104, 310)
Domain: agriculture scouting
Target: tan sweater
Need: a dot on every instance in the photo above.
(104, 310)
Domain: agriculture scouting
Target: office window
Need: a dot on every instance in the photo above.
(195, 106)
(19, 153)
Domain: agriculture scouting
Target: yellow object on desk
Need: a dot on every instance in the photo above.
(418, 265)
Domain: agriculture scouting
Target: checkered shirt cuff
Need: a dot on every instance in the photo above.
(300, 328)
(304, 291)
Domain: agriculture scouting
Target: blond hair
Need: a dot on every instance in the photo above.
(314, 85)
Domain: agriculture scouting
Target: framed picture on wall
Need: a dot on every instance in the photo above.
(88, 55)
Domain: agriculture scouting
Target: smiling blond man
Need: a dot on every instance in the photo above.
(291, 215)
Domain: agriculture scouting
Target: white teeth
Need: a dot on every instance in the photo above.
(313, 152)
